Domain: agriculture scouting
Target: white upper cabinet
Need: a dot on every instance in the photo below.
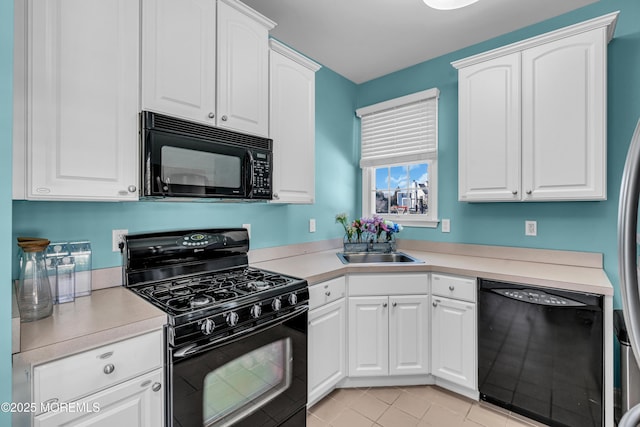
(179, 58)
(208, 62)
(489, 130)
(532, 117)
(292, 124)
(81, 100)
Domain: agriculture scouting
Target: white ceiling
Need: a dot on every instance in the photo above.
(365, 39)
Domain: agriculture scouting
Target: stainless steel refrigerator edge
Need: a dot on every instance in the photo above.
(627, 253)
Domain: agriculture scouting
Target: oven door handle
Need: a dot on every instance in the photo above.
(195, 348)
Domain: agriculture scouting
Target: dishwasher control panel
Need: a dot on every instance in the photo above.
(536, 296)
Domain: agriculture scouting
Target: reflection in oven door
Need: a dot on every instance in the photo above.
(258, 379)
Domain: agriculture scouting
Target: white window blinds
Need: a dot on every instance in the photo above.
(401, 130)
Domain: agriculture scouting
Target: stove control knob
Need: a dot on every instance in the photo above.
(293, 299)
(255, 311)
(276, 304)
(207, 326)
(232, 318)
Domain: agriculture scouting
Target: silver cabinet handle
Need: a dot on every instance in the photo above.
(529, 192)
(328, 293)
(132, 188)
(156, 387)
(224, 118)
(109, 368)
(211, 115)
(275, 196)
(384, 304)
(435, 303)
(451, 288)
(514, 192)
(394, 304)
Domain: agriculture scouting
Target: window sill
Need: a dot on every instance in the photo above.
(407, 221)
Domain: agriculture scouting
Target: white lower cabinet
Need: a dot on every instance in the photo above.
(134, 403)
(388, 334)
(453, 330)
(119, 384)
(326, 338)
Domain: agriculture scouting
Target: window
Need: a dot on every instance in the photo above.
(399, 156)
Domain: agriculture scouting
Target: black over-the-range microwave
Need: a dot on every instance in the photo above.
(181, 158)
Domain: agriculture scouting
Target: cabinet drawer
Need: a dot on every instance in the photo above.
(463, 288)
(78, 375)
(388, 284)
(326, 292)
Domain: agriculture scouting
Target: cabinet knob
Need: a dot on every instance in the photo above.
(384, 304)
(514, 192)
(156, 387)
(529, 192)
(224, 118)
(328, 293)
(132, 188)
(435, 303)
(451, 288)
(394, 304)
(211, 115)
(275, 196)
(109, 368)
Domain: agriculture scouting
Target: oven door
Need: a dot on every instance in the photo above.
(183, 166)
(258, 378)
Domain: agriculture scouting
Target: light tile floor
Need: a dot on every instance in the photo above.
(414, 406)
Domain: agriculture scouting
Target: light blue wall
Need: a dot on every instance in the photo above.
(581, 226)
(6, 72)
(271, 225)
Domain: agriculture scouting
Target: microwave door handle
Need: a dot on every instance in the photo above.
(251, 173)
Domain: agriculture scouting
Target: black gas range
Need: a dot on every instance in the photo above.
(220, 309)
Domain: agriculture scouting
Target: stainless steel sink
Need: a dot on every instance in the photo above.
(372, 257)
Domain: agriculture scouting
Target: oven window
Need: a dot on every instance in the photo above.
(243, 385)
(181, 166)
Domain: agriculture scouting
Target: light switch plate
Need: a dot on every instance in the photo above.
(312, 225)
(446, 226)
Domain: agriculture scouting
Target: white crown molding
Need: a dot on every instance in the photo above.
(609, 21)
(243, 8)
(286, 51)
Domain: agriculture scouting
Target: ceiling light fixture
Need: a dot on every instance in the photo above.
(448, 4)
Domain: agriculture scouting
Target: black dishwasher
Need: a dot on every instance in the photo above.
(540, 352)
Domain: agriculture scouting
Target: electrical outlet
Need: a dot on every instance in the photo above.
(248, 227)
(530, 228)
(117, 236)
(446, 225)
(312, 225)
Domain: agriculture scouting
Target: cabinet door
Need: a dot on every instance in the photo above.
(292, 128)
(409, 335)
(135, 403)
(368, 336)
(178, 58)
(563, 118)
(83, 99)
(489, 130)
(243, 70)
(327, 355)
(453, 341)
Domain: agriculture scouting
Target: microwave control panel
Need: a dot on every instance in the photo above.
(262, 175)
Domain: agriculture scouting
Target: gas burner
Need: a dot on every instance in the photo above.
(255, 286)
(201, 300)
(224, 295)
(180, 291)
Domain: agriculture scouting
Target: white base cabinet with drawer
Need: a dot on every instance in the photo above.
(388, 334)
(135, 403)
(453, 330)
(326, 338)
(119, 384)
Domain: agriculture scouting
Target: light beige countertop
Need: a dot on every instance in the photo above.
(107, 315)
(576, 271)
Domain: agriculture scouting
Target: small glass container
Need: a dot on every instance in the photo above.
(65, 280)
(34, 291)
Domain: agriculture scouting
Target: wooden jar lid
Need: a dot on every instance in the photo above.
(33, 244)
